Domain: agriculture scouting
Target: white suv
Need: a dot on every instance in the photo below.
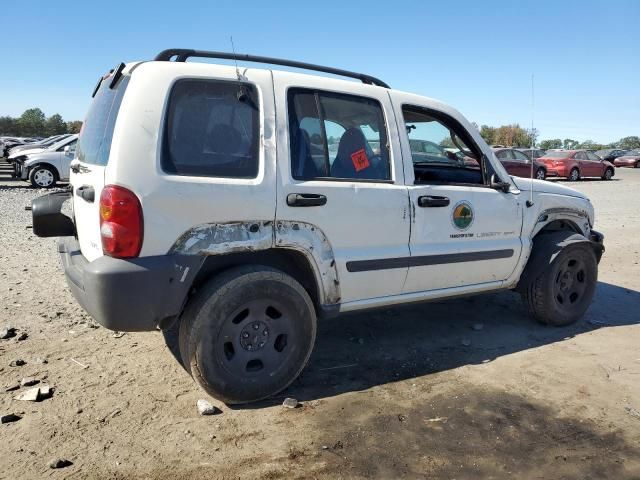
(246, 203)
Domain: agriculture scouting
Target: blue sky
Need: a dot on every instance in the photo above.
(476, 56)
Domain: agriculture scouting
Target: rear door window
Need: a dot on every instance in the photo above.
(337, 136)
(212, 129)
(519, 156)
(94, 144)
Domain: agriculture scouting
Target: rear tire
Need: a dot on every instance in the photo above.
(637, 165)
(43, 177)
(247, 334)
(564, 290)
(574, 175)
(608, 174)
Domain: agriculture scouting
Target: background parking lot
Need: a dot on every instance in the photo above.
(463, 388)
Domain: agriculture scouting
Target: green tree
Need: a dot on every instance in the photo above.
(570, 144)
(74, 126)
(55, 125)
(8, 126)
(591, 145)
(488, 133)
(512, 136)
(629, 143)
(446, 142)
(549, 144)
(31, 122)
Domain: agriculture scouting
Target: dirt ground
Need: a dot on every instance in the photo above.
(412, 392)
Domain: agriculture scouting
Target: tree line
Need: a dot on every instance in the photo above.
(516, 136)
(34, 123)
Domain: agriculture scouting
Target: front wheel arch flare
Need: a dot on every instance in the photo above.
(546, 247)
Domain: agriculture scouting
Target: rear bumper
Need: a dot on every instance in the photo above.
(557, 171)
(134, 294)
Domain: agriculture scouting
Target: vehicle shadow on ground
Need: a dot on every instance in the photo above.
(358, 351)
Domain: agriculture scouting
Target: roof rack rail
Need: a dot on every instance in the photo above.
(182, 54)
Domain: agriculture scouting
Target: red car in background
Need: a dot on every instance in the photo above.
(629, 159)
(518, 164)
(576, 164)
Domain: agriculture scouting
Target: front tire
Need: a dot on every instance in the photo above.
(564, 290)
(608, 174)
(247, 334)
(541, 174)
(43, 177)
(574, 175)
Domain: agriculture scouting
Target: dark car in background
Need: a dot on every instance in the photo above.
(610, 154)
(532, 152)
(576, 164)
(518, 164)
(629, 159)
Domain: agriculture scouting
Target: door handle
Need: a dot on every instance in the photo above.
(433, 201)
(306, 200)
(86, 192)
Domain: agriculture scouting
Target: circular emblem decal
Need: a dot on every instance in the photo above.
(462, 215)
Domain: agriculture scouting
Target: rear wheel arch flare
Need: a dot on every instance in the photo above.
(291, 262)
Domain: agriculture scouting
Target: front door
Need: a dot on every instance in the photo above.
(341, 172)
(463, 232)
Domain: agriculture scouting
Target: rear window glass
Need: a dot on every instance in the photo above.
(212, 129)
(96, 134)
(557, 154)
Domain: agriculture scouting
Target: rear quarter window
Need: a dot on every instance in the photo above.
(94, 144)
(211, 129)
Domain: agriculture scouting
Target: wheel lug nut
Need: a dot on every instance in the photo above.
(245, 335)
(266, 332)
(256, 326)
(261, 344)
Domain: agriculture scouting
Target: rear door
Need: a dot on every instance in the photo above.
(87, 170)
(340, 152)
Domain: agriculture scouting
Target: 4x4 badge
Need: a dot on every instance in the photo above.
(462, 215)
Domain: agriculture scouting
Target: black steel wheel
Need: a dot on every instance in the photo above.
(247, 334)
(563, 292)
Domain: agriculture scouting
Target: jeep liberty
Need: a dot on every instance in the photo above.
(246, 203)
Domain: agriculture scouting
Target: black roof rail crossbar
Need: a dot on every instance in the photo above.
(182, 54)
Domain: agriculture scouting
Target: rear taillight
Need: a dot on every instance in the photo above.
(121, 224)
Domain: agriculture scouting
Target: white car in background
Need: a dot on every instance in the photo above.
(47, 167)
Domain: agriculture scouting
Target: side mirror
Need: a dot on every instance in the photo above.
(67, 150)
(498, 184)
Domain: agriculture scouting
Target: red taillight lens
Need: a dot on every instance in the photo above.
(121, 224)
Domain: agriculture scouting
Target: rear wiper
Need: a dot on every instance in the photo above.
(95, 90)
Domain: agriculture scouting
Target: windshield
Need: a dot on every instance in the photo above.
(557, 154)
(633, 153)
(604, 153)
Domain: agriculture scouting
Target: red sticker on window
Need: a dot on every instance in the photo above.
(360, 160)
